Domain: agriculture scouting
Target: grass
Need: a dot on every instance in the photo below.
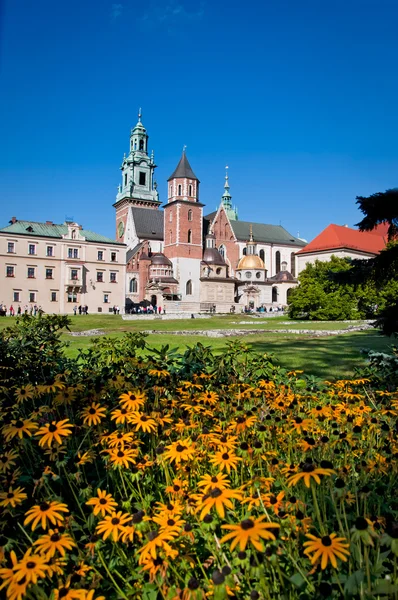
(328, 357)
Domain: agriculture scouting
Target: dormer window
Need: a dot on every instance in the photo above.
(73, 234)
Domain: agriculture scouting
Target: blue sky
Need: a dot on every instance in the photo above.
(299, 98)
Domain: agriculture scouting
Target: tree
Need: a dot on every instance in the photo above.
(322, 296)
(382, 208)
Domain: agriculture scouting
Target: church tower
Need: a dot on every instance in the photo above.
(226, 200)
(183, 229)
(138, 186)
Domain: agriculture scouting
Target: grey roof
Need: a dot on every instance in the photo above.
(52, 230)
(148, 223)
(183, 169)
(282, 276)
(275, 234)
(132, 252)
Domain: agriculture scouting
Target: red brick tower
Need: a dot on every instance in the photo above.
(183, 232)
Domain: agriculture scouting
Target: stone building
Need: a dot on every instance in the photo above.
(183, 260)
(58, 267)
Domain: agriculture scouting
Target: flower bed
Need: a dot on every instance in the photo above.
(135, 473)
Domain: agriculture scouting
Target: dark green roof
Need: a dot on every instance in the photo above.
(52, 230)
(271, 234)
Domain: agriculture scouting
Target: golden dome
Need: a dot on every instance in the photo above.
(251, 261)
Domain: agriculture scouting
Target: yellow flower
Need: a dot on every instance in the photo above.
(25, 392)
(53, 431)
(120, 415)
(250, 530)
(142, 421)
(93, 414)
(12, 497)
(309, 471)
(113, 525)
(32, 567)
(179, 451)
(103, 504)
(54, 542)
(157, 540)
(18, 427)
(46, 510)
(132, 401)
(218, 498)
(7, 461)
(326, 548)
(225, 460)
(122, 458)
(209, 481)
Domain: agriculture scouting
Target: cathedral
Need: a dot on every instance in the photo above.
(186, 261)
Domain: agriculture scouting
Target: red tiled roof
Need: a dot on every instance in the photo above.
(338, 237)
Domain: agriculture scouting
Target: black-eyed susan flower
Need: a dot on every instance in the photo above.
(102, 503)
(7, 461)
(363, 531)
(112, 525)
(118, 439)
(250, 530)
(157, 540)
(122, 458)
(219, 499)
(93, 414)
(132, 401)
(46, 511)
(180, 451)
(12, 497)
(65, 592)
(274, 502)
(53, 542)
(19, 427)
(225, 460)
(17, 589)
(160, 373)
(31, 567)
(54, 431)
(209, 481)
(326, 548)
(166, 521)
(120, 415)
(25, 392)
(142, 421)
(309, 471)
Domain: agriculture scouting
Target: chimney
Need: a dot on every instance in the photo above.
(13, 220)
(49, 223)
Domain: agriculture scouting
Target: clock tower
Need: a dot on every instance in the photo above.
(138, 187)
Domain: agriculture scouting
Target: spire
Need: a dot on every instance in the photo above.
(251, 244)
(139, 115)
(183, 169)
(226, 199)
(251, 233)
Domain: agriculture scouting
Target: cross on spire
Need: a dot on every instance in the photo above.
(139, 114)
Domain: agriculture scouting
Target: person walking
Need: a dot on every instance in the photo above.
(80, 310)
(12, 312)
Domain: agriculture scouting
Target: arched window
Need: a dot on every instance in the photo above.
(141, 145)
(284, 265)
(190, 190)
(188, 288)
(190, 215)
(189, 236)
(73, 234)
(244, 251)
(262, 255)
(179, 190)
(222, 251)
(171, 237)
(277, 261)
(226, 230)
(170, 216)
(133, 286)
(293, 264)
(274, 294)
(125, 179)
(170, 191)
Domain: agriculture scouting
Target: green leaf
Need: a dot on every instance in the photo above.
(385, 588)
(353, 583)
(298, 580)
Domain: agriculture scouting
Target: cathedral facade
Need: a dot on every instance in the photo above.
(184, 260)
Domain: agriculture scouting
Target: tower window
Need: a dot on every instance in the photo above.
(262, 255)
(171, 237)
(170, 191)
(142, 178)
(141, 145)
(190, 215)
(189, 236)
(179, 190)
(170, 216)
(125, 179)
(133, 286)
(190, 190)
(188, 288)
(277, 261)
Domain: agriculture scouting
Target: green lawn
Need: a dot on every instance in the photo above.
(328, 357)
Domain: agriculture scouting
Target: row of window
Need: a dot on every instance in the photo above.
(189, 216)
(74, 274)
(179, 190)
(189, 236)
(72, 252)
(72, 297)
(141, 178)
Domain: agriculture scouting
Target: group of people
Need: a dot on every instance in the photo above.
(147, 310)
(263, 309)
(32, 310)
(82, 310)
(116, 310)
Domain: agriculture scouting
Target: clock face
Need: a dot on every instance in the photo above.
(120, 229)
